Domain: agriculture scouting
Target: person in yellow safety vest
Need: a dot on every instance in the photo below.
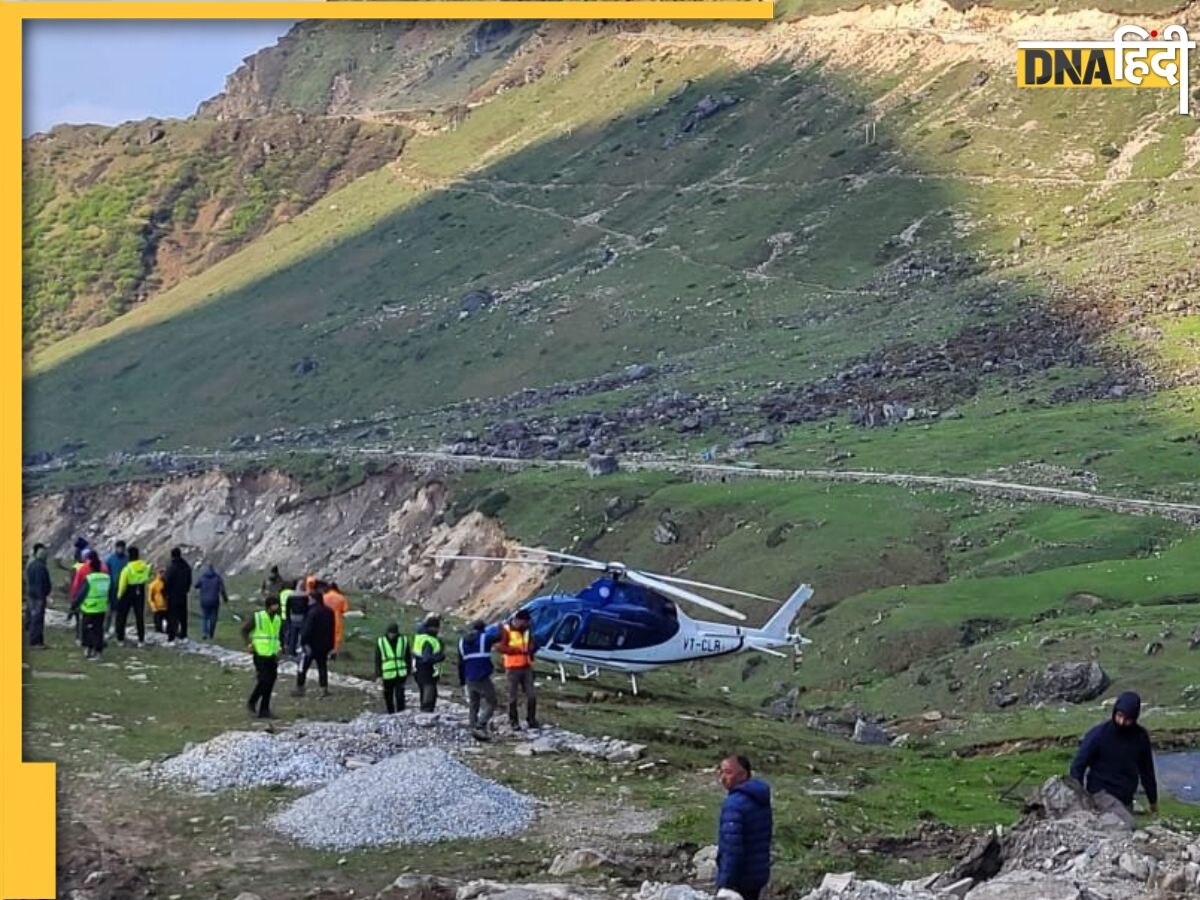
(261, 632)
(158, 600)
(92, 603)
(393, 659)
(516, 648)
(131, 595)
(427, 656)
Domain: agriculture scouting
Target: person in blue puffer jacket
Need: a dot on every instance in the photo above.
(744, 832)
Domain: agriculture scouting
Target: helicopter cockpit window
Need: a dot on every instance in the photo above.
(567, 631)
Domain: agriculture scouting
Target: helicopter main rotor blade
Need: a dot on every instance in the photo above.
(674, 579)
(680, 594)
(581, 560)
(518, 560)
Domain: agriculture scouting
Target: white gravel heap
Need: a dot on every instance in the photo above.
(418, 797)
(307, 754)
(249, 759)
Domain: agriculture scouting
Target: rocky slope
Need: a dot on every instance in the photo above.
(375, 536)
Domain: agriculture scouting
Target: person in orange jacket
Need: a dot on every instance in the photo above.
(516, 647)
(337, 602)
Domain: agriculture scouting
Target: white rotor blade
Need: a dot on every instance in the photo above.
(714, 587)
(582, 560)
(520, 560)
(680, 594)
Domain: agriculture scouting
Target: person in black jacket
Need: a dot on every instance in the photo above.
(316, 641)
(37, 592)
(178, 583)
(1114, 755)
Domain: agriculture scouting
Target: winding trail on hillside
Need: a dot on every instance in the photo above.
(1186, 513)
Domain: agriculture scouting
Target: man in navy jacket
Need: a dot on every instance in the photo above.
(744, 833)
(1116, 754)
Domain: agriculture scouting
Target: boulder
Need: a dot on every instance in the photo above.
(577, 861)
(704, 862)
(666, 532)
(1072, 682)
(602, 464)
(869, 733)
(474, 301)
(1026, 884)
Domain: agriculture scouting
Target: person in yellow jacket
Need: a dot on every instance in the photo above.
(158, 600)
(131, 596)
(91, 601)
(261, 632)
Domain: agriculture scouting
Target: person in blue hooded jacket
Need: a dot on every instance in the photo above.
(211, 586)
(744, 832)
(1115, 755)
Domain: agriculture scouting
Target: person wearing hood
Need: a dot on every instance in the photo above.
(295, 609)
(115, 562)
(337, 602)
(428, 655)
(178, 582)
(1115, 755)
(131, 596)
(745, 830)
(211, 587)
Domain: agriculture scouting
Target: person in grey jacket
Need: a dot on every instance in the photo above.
(37, 592)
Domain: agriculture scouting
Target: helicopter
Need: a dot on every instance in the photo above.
(627, 619)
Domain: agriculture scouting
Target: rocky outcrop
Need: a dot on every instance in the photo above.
(378, 535)
(1067, 847)
(1072, 682)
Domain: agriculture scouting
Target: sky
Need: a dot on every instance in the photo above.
(108, 72)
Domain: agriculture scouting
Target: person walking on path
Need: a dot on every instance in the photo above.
(211, 587)
(1115, 755)
(337, 602)
(178, 583)
(131, 596)
(393, 660)
(316, 641)
(92, 603)
(516, 647)
(37, 593)
(475, 676)
(745, 830)
(428, 655)
(261, 633)
(158, 600)
(114, 564)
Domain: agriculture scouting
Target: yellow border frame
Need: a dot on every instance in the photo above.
(27, 790)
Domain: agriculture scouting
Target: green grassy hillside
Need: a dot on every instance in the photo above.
(651, 196)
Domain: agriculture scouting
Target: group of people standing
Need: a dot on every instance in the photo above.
(303, 620)
(103, 593)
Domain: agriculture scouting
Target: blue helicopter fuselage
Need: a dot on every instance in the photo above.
(606, 615)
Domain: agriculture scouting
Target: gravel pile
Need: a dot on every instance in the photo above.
(248, 759)
(418, 797)
(308, 754)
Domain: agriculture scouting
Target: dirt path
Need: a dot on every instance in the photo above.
(1187, 513)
